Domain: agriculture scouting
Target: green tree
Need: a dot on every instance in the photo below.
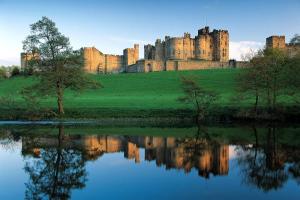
(266, 78)
(2, 73)
(250, 81)
(15, 71)
(295, 40)
(275, 81)
(200, 98)
(58, 66)
(293, 73)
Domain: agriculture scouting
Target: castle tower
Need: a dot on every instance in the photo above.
(275, 42)
(136, 52)
(24, 60)
(188, 46)
(221, 45)
(149, 52)
(93, 60)
(159, 50)
(204, 45)
(131, 55)
(27, 57)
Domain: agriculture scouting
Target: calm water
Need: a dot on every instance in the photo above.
(65, 162)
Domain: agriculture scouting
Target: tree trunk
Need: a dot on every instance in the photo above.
(256, 102)
(60, 94)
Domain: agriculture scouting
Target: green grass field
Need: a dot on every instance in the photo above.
(136, 92)
(156, 90)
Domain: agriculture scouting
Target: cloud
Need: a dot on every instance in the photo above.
(126, 40)
(238, 49)
(13, 61)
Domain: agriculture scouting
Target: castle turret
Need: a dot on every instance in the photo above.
(159, 50)
(136, 52)
(221, 45)
(276, 42)
(131, 55)
(204, 45)
(149, 52)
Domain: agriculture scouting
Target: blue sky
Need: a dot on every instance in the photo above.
(112, 25)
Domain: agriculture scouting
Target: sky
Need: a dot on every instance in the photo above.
(112, 25)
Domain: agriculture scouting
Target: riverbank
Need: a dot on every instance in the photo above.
(155, 116)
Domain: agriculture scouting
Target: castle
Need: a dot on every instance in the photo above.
(278, 42)
(207, 50)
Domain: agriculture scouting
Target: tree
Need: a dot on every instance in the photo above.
(250, 81)
(266, 78)
(295, 40)
(58, 170)
(293, 73)
(200, 98)
(2, 73)
(15, 71)
(58, 66)
(260, 164)
(275, 81)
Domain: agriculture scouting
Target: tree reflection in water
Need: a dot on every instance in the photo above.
(56, 172)
(267, 164)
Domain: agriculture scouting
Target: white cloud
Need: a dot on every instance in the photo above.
(238, 49)
(126, 40)
(13, 61)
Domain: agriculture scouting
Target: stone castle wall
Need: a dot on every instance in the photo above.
(178, 65)
(275, 42)
(278, 42)
(93, 59)
(26, 57)
(97, 62)
(212, 46)
(293, 50)
(113, 63)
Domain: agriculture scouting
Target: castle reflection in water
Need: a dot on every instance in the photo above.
(205, 156)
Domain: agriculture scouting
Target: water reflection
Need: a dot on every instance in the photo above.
(56, 169)
(56, 164)
(267, 164)
(180, 153)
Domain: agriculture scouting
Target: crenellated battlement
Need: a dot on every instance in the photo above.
(211, 46)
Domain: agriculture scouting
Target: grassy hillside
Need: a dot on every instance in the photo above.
(137, 93)
(143, 91)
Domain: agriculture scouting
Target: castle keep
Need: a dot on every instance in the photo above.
(206, 50)
(211, 46)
